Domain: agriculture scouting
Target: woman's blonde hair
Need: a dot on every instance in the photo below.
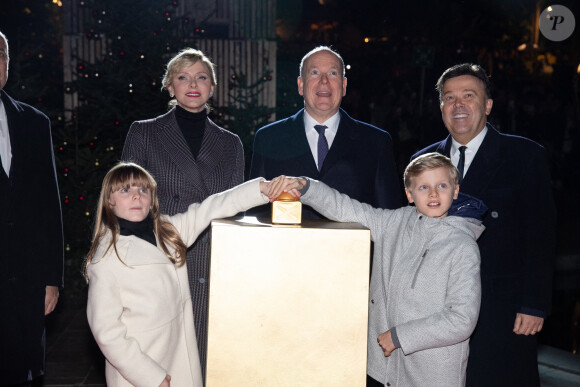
(185, 58)
(126, 175)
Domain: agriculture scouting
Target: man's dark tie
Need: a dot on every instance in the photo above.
(322, 144)
(461, 163)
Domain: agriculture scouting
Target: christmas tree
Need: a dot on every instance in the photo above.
(118, 56)
(245, 115)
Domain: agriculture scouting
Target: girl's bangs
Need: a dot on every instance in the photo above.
(130, 177)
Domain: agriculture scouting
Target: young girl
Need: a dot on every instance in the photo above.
(139, 303)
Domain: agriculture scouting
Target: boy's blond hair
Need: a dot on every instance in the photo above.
(427, 162)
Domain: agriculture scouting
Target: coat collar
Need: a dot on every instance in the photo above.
(9, 106)
(299, 141)
(12, 111)
(345, 135)
(19, 140)
(485, 165)
(172, 140)
(9, 103)
(132, 250)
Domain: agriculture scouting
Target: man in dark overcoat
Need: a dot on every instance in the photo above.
(31, 261)
(510, 174)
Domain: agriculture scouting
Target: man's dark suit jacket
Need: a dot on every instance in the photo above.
(360, 162)
(31, 241)
(510, 174)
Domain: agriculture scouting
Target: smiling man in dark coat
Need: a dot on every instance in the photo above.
(510, 174)
(31, 262)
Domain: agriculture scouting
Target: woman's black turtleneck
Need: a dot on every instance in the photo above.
(142, 229)
(192, 126)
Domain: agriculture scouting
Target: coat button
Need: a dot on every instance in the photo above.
(420, 216)
(175, 198)
(388, 384)
(202, 280)
(372, 301)
(494, 214)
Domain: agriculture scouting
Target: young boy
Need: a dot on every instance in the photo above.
(425, 288)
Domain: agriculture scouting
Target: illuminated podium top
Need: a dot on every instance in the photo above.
(288, 303)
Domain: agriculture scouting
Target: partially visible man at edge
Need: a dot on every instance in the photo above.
(511, 175)
(31, 262)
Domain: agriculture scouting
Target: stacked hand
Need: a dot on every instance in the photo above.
(280, 184)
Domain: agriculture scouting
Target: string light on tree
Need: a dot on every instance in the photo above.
(95, 136)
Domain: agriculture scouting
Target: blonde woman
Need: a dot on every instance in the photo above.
(191, 158)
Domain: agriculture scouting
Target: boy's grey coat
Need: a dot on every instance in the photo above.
(512, 177)
(427, 285)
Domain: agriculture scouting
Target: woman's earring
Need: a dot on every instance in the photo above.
(211, 94)
(171, 95)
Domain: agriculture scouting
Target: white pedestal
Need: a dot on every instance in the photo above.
(288, 305)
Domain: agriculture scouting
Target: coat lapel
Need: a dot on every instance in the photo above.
(132, 250)
(485, 165)
(342, 143)
(172, 140)
(444, 147)
(17, 140)
(299, 141)
(142, 252)
(210, 153)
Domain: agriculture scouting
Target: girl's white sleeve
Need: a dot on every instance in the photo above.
(220, 205)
